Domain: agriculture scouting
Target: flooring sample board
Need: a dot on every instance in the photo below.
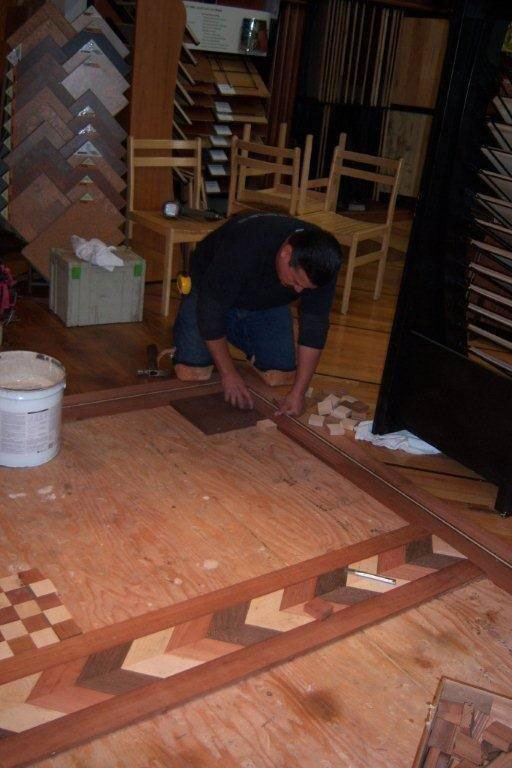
(500, 209)
(32, 614)
(48, 11)
(45, 106)
(504, 106)
(46, 46)
(212, 415)
(91, 44)
(44, 157)
(88, 106)
(105, 82)
(406, 136)
(85, 219)
(85, 148)
(91, 20)
(502, 134)
(43, 131)
(31, 41)
(419, 61)
(37, 207)
(499, 159)
(47, 65)
(40, 81)
(100, 164)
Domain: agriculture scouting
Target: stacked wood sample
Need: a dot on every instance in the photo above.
(334, 413)
(489, 306)
(63, 159)
(215, 96)
(468, 727)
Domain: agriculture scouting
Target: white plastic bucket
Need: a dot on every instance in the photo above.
(31, 389)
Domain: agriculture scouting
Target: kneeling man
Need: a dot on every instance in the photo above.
(245, 275)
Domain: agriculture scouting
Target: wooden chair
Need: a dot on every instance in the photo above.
(352, 232)
(176, 231)
(244, 165)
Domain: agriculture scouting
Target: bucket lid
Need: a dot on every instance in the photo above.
(29, 371)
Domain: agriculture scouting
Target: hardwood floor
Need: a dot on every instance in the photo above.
(98, 357)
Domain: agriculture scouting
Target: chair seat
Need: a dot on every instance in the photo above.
(343, 227)
(183, 230)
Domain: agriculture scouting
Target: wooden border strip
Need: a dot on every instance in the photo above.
(73, 729)
(404, 498)
(100, 639)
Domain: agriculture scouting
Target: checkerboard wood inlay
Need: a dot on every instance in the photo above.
(31, 614)
(104, 679)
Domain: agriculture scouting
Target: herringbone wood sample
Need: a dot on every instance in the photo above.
(85, 219)
(106, 83)
(45, 106)
(43, 79)
(83, 145)
(37, 207)
(88, 105)
(96, 42)
(78, 161)
(45, 65)
(46, 46)
(46, 12)
(46, 29)
(94, 22)
(42, 132)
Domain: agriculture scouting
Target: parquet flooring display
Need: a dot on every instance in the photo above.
(65, 85)
(246, 548)
(31, 614)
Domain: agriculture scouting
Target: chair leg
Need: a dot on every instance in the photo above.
(166, 287)
(348, 277)
(382, 266)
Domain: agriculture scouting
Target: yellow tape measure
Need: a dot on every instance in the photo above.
(184, 283)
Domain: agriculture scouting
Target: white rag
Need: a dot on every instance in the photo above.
(96, 252)
(403, 440)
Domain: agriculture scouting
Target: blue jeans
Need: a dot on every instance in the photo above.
(264, 335)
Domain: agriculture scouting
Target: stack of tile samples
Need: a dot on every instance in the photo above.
(489, 308)
(63, 157)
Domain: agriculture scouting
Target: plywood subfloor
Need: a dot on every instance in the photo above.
(148, 511)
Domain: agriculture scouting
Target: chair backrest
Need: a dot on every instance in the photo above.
(384, 171)
(278, 161)
(182, 157)
(312, 184)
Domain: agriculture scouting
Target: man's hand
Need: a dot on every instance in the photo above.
(236, 392)
(292, 405)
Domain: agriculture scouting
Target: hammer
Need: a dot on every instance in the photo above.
(153, 370)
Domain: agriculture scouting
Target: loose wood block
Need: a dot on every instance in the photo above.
(264, 425)
(341, 412)
(349, 399)
(350, 424)
(335, 429)
(499, 735)
(316, 420)
(325, 407)
(442, 735)
(335, 400)
(359, 408)
(466, 747)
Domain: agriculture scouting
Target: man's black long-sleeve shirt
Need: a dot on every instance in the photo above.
(235, 267)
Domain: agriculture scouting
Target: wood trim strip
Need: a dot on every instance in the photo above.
(151, 394)
(404, 498)
(97, 640)
(24, 748)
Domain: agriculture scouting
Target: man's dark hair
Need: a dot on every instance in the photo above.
(317, 252)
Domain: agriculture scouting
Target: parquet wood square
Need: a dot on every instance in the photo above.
(105, 82)
(212, 415)
(46, 29)
(46, 46)
(43, 79)
(26, 621)
(84, 145)
(43, 131)
(37, 207)
(46, 12)
(173, 653)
